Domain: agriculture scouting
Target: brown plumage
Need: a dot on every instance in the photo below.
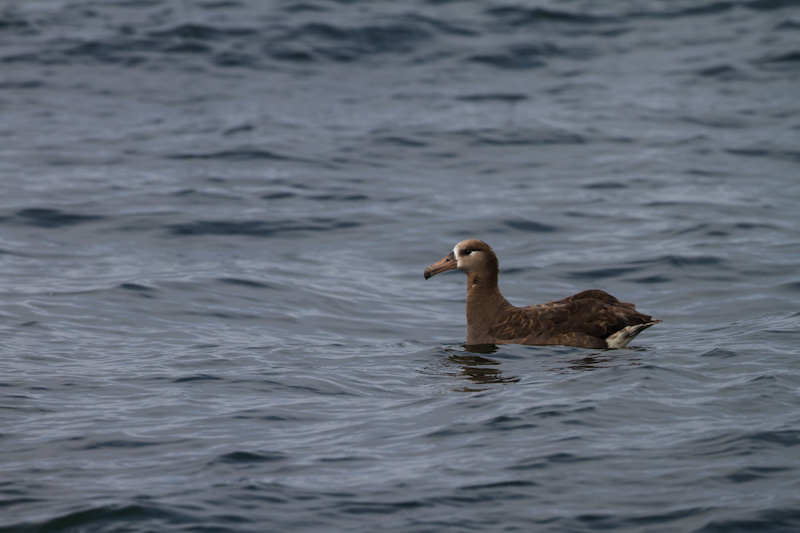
(589, 319)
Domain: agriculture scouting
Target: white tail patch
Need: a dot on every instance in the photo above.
(621, 338)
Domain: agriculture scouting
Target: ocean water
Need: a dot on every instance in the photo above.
(214, 219)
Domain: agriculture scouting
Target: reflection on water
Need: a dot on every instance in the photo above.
(473, 365)
(480, 348)
(605, 359)
(479, 369)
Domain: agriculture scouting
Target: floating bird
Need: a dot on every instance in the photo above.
(589, 319)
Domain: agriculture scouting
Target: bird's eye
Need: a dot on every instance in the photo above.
(467, 251)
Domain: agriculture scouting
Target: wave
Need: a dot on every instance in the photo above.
(49, 218)
(259, 228)
(520, 16)
(241, 154)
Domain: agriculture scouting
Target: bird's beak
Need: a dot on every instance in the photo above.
(444, 264)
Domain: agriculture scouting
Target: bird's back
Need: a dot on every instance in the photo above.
(586, 319)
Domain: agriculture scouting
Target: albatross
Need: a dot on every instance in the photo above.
(589, 319)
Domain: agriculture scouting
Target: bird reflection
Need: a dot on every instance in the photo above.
(480, 348)
(473, 364)
(586, 364)
(598, 360)
(479, 369)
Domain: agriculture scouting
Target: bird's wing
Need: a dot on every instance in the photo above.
(596, 294)
(582, 314)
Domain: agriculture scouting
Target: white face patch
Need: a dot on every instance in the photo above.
(458, 256)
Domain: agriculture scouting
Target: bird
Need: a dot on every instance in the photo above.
(590, 319)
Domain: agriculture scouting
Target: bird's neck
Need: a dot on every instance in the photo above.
(485, 304)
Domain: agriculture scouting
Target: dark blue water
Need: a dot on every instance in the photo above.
(214, 218)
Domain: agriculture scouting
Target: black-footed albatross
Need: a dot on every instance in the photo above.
(589, 319)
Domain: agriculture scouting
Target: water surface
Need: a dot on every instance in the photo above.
(214, 218)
